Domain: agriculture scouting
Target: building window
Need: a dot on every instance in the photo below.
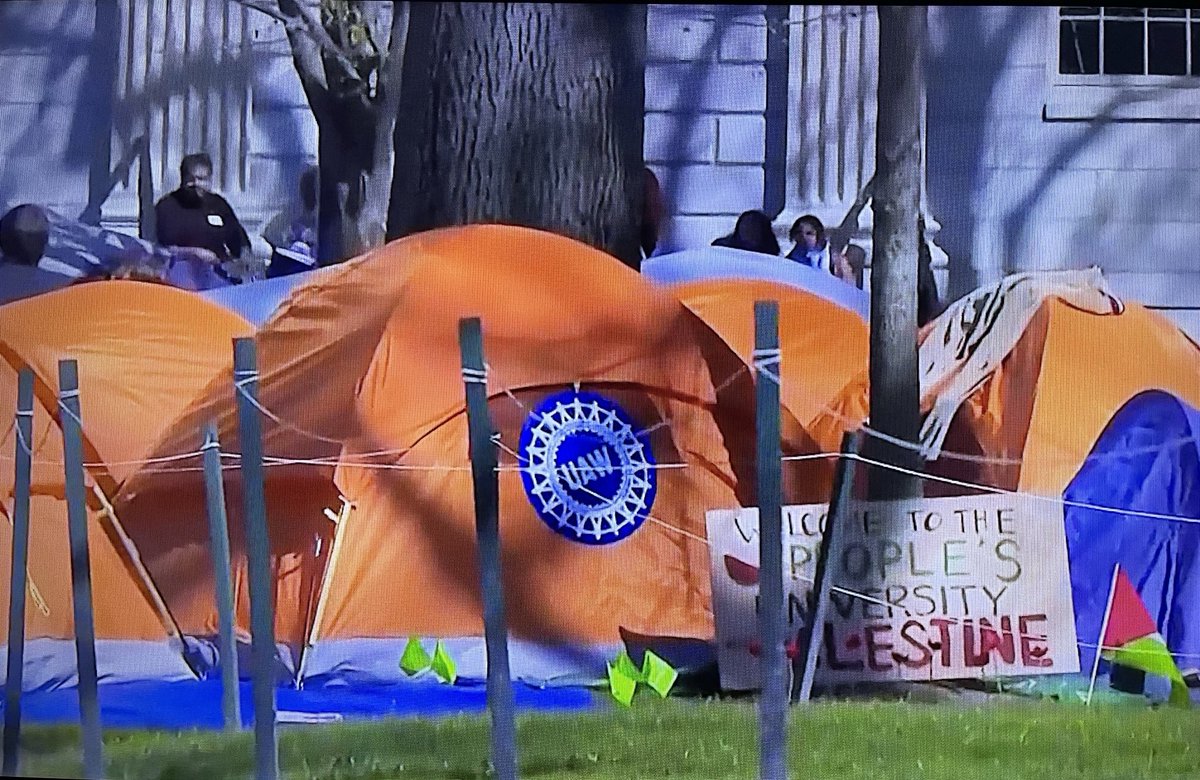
(1114, 41)
(1124, 63)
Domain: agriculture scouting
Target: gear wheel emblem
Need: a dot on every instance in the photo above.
(587, 472)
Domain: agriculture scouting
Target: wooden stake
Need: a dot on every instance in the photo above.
(16, 589)
(81, 574)
(258, 554)
(487, 530)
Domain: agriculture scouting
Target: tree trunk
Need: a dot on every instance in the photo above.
(525, 114)
(895, 386)
(350, 67)
(346, 153)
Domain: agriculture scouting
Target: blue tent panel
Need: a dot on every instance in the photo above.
(1145, 460)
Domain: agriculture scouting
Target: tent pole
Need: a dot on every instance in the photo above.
(81, 577)
(20, 558)
(135, 559)
(342, 517)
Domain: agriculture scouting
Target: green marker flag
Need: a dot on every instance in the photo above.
(621, 684)
(658, 674)
(415, 660)
(628, 668)
(443, 664)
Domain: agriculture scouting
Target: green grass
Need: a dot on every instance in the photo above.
(703, 740)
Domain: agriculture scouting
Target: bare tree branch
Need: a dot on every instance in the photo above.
(269, 8)
(392, 71)
(299, 20)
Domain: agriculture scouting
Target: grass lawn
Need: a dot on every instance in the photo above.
(699, 739)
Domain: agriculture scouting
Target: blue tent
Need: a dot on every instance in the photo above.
(1146, 460)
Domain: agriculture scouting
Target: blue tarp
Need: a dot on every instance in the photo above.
(1146, 460)
(197, 703)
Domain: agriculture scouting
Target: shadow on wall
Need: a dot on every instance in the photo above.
(686, 109)
(1018, 192)
(958, 101)
(103, 124)
(1135, 218)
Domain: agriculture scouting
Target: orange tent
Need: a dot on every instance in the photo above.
(823, 345)
(1102, 410)
(593, 371)
(1048, 402)
(143, 351)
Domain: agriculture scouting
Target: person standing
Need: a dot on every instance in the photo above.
(292, 233)
(195, 222)
(752, 232)
(812, 245)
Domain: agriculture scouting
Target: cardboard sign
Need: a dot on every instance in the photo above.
(962, 587)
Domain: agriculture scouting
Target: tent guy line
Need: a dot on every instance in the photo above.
(857, 424)
(240, 386)
(1003, 491)
(278, 461)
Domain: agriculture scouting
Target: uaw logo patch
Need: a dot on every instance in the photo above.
(588, 472)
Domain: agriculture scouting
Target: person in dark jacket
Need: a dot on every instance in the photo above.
(24, 234)
(195, 217)
(752, 232)
(653, 212)
(929, 303)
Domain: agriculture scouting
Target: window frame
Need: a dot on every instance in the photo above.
(1127, 97)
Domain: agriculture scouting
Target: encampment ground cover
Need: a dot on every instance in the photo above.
(702, 740)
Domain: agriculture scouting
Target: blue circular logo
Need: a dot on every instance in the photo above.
(588, 472)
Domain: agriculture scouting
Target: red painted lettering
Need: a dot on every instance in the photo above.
(1034, 651)
(874, 647)
(831, 653)
(943, 641)
(924, 657)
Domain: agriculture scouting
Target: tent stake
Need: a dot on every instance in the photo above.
(81, 576)
(16, 590)
(487, 529)
(258, 552)
(218, 536)
(773, 703)
(818, 598)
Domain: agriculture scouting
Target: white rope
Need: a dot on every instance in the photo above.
(999, 461)
(1035, 496)
(730, 379)
(765, 360)
(25, 446)
(240, 386)
(64, 396)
